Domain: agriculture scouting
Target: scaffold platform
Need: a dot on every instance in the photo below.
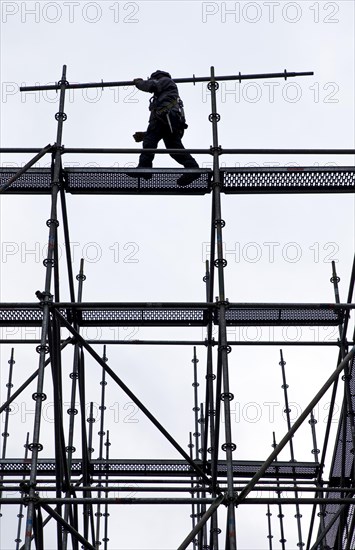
(161, 468)
(119, 181)
(172, 315)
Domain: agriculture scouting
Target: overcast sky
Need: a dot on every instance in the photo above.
(278, 248)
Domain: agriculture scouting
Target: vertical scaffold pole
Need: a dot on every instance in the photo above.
(270, 535)
(210, 424)
(315, 451)
(72, 412)
(280, 515)
(287, 409)
(202, 536)
(9, 385)
(193, 514)
(106, 514)
(197, 435)
(223, 348)
(5, 433)
(35, 447)
(101, 434)
(347, 414)
(18, 540)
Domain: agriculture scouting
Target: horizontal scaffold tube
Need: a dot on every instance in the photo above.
(198, 151)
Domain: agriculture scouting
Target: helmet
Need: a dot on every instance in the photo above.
(159, 74)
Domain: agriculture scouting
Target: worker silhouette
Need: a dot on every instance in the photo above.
(166, 122)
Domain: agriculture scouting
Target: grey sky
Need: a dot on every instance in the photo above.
(278, 248)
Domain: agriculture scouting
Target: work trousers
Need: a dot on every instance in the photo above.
(171, 134)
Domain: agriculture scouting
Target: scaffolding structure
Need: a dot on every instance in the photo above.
(208, 479)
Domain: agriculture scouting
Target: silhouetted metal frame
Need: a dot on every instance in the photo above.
(230, 498)
(243, 494)
(122, 385)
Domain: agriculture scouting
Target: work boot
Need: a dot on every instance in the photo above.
(143, 175)
(186, 179)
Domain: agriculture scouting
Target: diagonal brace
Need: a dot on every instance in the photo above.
(295, 427)
(18, 174)
(328, 527)
(66, 526)
(132, 396)
(29, 380)
(206, 516)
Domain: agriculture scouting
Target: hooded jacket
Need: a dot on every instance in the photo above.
(165, 92)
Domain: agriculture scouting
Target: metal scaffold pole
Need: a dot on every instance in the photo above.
(222, 302)
(33, 512)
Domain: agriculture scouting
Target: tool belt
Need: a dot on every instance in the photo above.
(164, 112)
(167, 107)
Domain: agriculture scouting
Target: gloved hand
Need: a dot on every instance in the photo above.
(135, 80)
(139, 136)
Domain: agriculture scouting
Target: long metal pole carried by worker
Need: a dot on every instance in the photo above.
(194, 79)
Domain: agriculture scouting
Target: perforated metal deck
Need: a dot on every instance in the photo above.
(143, 317)
(282, 316)
(120, 180)
(33, 182)
(289, 180)
(190, 315)
(160, 468)
(164, 180)
(109, 181)
(30, 315)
